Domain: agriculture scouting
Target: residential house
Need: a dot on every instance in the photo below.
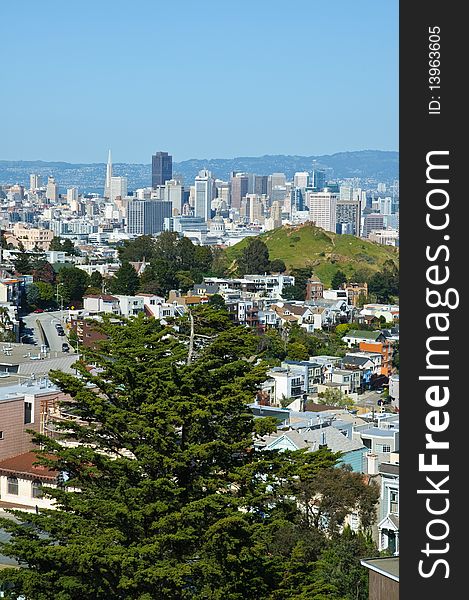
(390, 312)
(354, 291)
(314, 288)
(388, 512)
(304, 316)
(368, 364)
(283, 384)
(97, 304)
(130, 306)
(382, 438)
(315, 438)
(337, 310)
(21, 482)
(10, 290)
(348, 378)
(313, 372)
(385, 348)
(354, 337)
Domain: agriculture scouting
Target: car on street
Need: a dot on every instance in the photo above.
(38, 310)
(65, 347)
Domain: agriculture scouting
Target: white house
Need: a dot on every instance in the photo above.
(21, 482)
(283, 383)
(96, 304)
(130, 305)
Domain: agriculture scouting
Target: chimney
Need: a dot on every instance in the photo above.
(372, 463)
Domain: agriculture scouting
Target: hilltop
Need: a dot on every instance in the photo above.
(325, 252)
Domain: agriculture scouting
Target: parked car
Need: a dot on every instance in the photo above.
(38, 310)
(65, 347)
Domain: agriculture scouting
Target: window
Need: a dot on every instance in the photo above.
(12, 485)
(386, 448)
(394, 502)
(1, 435)
(28, 412)
(36, 489)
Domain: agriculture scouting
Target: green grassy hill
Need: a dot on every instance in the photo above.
(323, 251)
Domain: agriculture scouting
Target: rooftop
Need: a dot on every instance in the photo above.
(24, 464)
(387, 566)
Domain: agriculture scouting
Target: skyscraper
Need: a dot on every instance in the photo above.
(323, 209)
(174, 193)
(146, 217)
(239, 188)
(260, 184)
(203, 195)
(318, 180)
(118, 188)
(52, 190)
(107, 183)
(161, 168)
(348, 217)
(34, 182)
(301, 179)
(72, 195)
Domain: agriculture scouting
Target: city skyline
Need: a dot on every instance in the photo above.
(321, 79)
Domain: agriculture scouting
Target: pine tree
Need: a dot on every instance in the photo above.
(125, 281)
(254, 258)
(165, 497)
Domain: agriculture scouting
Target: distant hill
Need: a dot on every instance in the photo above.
(373, 165)
(326, 252)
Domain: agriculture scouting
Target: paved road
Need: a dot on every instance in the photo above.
(48, 321)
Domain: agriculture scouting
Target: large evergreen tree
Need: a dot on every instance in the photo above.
(165, 496)
(125, 280)
(254, 258)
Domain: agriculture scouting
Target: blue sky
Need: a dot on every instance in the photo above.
(197, 78)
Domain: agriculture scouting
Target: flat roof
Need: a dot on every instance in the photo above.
(387, 566)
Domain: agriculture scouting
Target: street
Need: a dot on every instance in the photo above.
(48, 321)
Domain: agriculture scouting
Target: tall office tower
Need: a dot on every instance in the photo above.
(203, 195)
(381, 187)
(146, 217)
(107, 183)
(384, 206)
(34, 182)
(301, 179)
(161, 168)
(16, 192)
(174, 193)
(275, 180)
(372, 222)
(346, 193)
(72, 195)
(239, 188)
(52, 190)
(256, 208)
(275, 218)
(143, 193)
(297, 199)
(323, 209)
(118, 188)
(222, 189)
(260, 184)
(318, 180)
(348, 217)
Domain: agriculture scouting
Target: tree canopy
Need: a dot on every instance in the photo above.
(165, 496)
